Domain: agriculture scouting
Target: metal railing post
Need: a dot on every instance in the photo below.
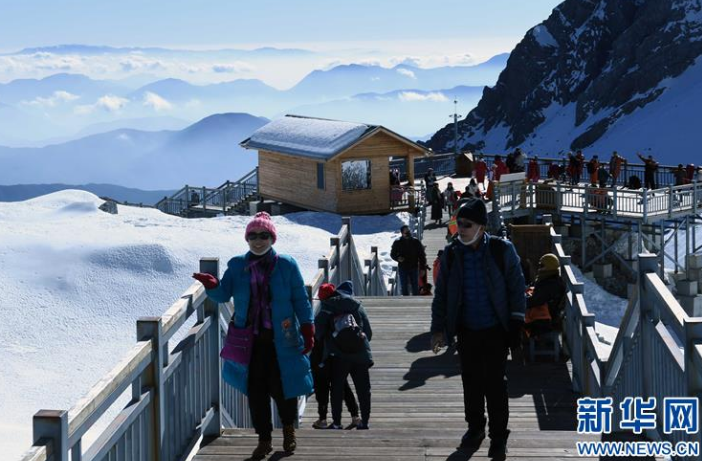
(647, 264)
(52, 425)
(324, 265)
(211, 309)
(346, 221)
(151, 329)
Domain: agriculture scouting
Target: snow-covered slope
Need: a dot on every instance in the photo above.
(75, 279)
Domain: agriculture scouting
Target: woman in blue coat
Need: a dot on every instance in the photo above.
(269, 295)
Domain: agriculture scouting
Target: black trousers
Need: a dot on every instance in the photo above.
(483, 356)
(322, 384)
(649, 180)
(264, 383)
(361, 379)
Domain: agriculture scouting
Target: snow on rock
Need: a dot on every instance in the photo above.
(75, 280)
(543, 36)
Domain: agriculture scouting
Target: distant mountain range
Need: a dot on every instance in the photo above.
(58, 107)
(23, 192)
(408, 112)
(206, 153)
(600, 75)
(89, 50)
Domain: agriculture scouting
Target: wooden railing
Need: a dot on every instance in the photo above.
(178, 395)
(657, 351)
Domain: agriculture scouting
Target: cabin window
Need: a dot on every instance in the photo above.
(356, 175)
(320, 176)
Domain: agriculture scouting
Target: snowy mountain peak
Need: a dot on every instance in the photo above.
(586, 70)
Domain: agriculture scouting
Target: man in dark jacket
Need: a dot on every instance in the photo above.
(345, 361)
(480, 297)
(650, 169)
(409, 252)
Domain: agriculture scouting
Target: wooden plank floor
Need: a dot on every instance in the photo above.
(417, 400)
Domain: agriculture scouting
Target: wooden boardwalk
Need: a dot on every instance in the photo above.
(417, 400)
(417, 403)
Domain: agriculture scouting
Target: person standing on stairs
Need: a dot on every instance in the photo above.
(322, 371)
(480, 298)
(343, 325)
(409, 253)
(271, 302)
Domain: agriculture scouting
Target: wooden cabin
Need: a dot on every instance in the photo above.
(330, 165)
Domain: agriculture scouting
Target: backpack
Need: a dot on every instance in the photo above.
(497, 251)
(590, 167)
(348, 334)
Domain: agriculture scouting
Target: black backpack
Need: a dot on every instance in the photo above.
(347, 334)
(590, 167)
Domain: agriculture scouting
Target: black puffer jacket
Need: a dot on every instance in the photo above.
(324, 327)
(412, 250)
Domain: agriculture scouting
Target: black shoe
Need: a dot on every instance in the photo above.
(471, 439)
(498, 449)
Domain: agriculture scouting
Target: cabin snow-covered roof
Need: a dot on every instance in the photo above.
(310, 137)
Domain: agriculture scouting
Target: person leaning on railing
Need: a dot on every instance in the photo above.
(270, 299)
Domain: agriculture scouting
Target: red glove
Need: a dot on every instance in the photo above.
(307, 331)
(209, 280)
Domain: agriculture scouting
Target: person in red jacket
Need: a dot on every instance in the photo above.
(499, 168)
(533, 170)
(480, 170)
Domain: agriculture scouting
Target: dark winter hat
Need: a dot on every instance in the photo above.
(474, 210)
(345, 288)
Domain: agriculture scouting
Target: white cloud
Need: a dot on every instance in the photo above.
(407, 73)
(109, 103)
(156, 102)
(137, 62)
(55, 99)
(412, 96)
(233, 67)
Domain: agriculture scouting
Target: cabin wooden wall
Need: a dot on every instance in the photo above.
(378, 149)
(293, 179)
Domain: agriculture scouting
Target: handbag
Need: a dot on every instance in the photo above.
(238, 344)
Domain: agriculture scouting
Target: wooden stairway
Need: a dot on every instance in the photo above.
(417, 403)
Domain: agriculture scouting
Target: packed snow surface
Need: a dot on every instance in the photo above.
(75, 280)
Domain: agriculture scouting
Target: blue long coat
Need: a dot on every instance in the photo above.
(290, 308)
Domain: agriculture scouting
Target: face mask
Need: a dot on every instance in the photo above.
(262, 252)
(475, 238)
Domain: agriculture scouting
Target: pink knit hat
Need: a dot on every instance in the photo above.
(262, 220)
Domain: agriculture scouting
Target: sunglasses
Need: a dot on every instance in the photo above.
(258, 236)
(465, 224)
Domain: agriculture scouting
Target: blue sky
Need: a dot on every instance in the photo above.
(217, 23)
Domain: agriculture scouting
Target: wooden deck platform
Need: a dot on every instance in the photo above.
(417, 399)
(417, 403)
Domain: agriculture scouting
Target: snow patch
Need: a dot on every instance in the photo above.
(543, 37)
